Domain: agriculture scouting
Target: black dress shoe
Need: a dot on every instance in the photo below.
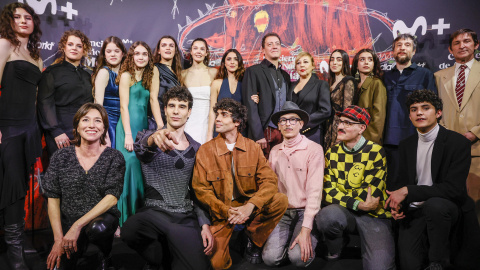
(253, 253)
(434, 266)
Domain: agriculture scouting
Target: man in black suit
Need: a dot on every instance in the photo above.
(270, 83)
(430, 197)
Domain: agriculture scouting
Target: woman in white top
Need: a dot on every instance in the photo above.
(198, 79)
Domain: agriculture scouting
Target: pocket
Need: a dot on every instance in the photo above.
(217, 179)
(246, 178)
(300, 172)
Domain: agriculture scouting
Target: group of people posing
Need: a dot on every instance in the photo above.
(173, 161)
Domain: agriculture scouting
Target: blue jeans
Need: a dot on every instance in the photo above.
(377, 244)
(277, 247)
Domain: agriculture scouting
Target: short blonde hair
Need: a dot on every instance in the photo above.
(302, 54)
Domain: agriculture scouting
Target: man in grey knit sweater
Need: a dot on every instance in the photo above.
(170, 216)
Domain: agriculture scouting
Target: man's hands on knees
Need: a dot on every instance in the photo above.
(239, 215)
(371, 203)
(208, 239)
(164, 139)
(305, 242)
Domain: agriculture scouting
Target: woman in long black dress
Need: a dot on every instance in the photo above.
(342, 88)
(64, 87)
(168, 61)
(20, 145)
(311, 95)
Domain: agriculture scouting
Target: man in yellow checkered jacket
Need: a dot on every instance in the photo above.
(354, 187)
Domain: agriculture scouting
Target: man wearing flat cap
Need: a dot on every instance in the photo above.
(354, 189)
(299, 165)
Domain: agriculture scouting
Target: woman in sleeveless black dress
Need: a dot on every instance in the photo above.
(20, 143)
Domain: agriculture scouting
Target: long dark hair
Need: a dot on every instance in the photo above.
(177, 59)
(345, 66)
(7, 32)
(223, 73)
(377, 71)
(101, 61)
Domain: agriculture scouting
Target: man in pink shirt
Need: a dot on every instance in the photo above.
(299, 165)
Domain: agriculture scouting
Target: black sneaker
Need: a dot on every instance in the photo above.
(253, 253)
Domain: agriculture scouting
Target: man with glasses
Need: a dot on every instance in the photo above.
(233, 180)
(299, 164)
(354, 188)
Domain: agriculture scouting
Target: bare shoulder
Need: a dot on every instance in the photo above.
(213, 72)
(6, 46)
(217, 83)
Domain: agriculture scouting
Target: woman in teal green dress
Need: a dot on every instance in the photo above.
(138, 82)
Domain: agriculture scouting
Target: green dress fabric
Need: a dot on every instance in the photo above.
(133, 192)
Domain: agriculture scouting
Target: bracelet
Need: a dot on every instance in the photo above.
(355, 205)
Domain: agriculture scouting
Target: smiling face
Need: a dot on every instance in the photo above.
(403, 51)
(224, 122)
(365, 63)
(140, 56)
(113, 54)
(463, 48)
(177, 112)
(199, 51)
(74, 50)
(424, 116)
(288, 129)
(272, 48)
(167, 49)
(336, 63)
(91, 127)
(22, 22)
(304, 66)
(231, 62)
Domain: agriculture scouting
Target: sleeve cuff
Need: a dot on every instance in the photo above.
(308, 221)
(355, 205)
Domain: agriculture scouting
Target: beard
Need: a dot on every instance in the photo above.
(402, 60)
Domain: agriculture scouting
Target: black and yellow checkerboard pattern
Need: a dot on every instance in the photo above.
(348, 176)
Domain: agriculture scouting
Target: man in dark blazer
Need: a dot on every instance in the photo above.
(430, 200)
(270, 83)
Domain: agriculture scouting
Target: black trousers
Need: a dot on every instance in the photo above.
(99, 231)
(425, 233)
(152, 229)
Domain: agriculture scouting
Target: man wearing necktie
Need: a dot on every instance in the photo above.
(459, 88)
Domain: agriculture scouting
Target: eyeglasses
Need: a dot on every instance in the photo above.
(292, 121)
(348, 123)
(224, 114)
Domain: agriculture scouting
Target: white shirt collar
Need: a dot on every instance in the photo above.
(469, 64)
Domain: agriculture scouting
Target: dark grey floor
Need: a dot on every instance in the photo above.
(125, 258)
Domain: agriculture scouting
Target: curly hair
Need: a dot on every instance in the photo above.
(377, 71)
(130, 67)
(7, 32)
(63, 43)
(223, 73)
(84, 111)
(425, 95)
(177, 59)
(101, 61)
(206, 60)
(238, 111)
(345, 66)
(180, 93)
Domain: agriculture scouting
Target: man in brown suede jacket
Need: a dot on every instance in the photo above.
(233, 180)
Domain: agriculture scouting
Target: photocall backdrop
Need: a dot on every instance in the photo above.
(316, 26)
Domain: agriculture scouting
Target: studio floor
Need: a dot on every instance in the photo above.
(123, 257)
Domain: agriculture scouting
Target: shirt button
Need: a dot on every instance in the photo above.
(461, 115)
(288, 166)
(218, 178)
(249, 174)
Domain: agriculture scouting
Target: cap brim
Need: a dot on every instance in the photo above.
(301, 113)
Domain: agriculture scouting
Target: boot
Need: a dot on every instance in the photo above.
(14, 239)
